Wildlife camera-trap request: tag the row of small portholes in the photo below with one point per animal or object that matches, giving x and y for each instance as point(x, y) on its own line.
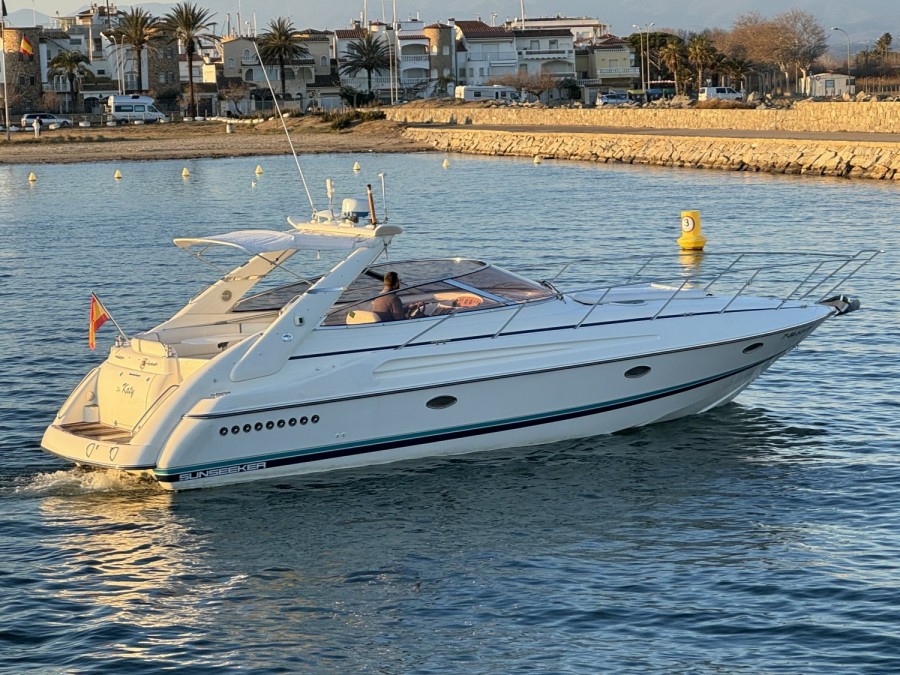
point(259, 426)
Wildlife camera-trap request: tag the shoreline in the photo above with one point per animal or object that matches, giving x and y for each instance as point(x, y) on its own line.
point(548, 134)
point(200, 140)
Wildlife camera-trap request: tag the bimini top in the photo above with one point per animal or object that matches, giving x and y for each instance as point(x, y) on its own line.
point(256, 242)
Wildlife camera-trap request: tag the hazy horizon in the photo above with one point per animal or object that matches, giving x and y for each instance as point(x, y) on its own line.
point(862, 24)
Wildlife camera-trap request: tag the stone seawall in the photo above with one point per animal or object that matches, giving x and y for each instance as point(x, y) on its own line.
point(844, 159)
point(808, 116)
point(823, 156)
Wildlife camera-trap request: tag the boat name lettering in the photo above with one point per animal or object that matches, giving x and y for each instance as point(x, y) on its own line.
point(126, 389)
point(223, 471)
point(795, 333)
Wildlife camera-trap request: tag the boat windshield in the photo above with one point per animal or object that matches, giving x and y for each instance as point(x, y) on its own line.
point(435, 287)
point(427, 288)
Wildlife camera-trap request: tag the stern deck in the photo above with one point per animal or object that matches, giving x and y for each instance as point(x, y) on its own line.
point(97, 431)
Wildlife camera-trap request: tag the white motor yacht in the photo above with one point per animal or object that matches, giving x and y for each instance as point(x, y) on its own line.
point(251, 381)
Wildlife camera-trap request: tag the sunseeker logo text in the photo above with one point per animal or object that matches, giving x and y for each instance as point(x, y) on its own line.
point(795, 333)
point(223, 471)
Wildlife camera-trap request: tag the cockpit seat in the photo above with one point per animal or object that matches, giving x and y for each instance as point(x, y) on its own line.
point(362, 316)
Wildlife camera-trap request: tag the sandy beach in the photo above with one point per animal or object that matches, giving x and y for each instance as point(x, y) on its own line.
point(186, 140)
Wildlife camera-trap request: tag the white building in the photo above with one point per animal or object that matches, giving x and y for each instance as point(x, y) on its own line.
point(830, 84)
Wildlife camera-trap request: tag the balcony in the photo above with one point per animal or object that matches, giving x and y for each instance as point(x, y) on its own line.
point(547, 53)
point(362, 84)
point(418, 58)
point(498, 58)
point(618, 72)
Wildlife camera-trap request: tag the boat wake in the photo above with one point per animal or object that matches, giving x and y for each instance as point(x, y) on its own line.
point(77, 481)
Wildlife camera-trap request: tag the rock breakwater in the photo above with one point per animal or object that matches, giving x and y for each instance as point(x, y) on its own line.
point(737, 140)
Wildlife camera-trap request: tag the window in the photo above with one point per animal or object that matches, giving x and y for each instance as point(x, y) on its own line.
point(446, 50)
point(230, 63)
point(535, 45)
point(248, 76)
point(554, 44)
point(323, 61)
point(246, 55)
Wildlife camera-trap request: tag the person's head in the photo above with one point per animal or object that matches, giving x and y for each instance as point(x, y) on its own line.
point(391, 281)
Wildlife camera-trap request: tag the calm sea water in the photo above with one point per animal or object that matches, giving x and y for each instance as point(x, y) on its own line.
point(762, 537)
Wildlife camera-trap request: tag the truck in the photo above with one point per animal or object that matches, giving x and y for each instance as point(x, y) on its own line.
point(496, 92)
point(133, 108)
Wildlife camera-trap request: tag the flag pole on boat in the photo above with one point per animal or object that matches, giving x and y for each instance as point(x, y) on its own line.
point(383, 196)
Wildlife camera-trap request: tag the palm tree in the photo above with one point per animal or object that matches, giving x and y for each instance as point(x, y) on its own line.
point(140, 30)
point(282, 45)
point(73, 66)
point(701, 54)
point(188, 23)
point(369, 54)
point(672, 54)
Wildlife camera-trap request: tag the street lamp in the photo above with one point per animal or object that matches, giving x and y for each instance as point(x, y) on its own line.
point(848, 53)
point(641, 56)
point(649, 26)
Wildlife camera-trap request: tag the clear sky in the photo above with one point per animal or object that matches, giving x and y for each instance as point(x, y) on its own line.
point(862, 20)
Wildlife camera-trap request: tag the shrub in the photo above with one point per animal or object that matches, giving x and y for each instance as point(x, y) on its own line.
point(722, 104)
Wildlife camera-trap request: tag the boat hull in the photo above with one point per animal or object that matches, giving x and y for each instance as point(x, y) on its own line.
point(480, 414)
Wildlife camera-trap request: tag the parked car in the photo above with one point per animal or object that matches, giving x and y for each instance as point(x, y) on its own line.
point(726, 93)
point(613, 99)
point(46, 120)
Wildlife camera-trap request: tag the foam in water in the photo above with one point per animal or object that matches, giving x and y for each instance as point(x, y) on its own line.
point(76, 481)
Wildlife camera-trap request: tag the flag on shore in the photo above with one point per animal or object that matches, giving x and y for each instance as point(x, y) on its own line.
point(25, 47)
point(5, 13)
point(99, 316)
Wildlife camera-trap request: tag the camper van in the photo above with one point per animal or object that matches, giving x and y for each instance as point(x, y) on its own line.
point(125, 109)
point(495, 92)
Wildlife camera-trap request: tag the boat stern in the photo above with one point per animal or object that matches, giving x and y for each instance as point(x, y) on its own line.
point(98, 424)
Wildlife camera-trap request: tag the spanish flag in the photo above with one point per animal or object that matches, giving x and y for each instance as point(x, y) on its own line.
point(99, 316)
point(25, 47)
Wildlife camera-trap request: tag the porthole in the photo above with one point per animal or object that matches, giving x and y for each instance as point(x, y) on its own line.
point(637, 371)
point(270, 424)
point(235, 429)
point(223, 431)
point(314, 419)
point(280, 424)
point(753, 347)
point(247, 428)
point(292, 422)
point(303, 420)
point(258, 426)
point(441, 402)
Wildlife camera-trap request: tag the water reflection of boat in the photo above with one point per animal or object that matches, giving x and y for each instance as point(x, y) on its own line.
point(244, 384)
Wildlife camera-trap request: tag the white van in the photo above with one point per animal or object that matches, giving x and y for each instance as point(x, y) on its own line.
point(496, 92)
point(725, 93)
point(124, 109)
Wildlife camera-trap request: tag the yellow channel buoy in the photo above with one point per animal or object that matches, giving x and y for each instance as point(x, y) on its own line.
point(32, 177)
point(117, 175)
point(691, 238)
point(356, 166)
point(537, 159)
point(446, 164)
point(258, 169)
point(185, 173)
